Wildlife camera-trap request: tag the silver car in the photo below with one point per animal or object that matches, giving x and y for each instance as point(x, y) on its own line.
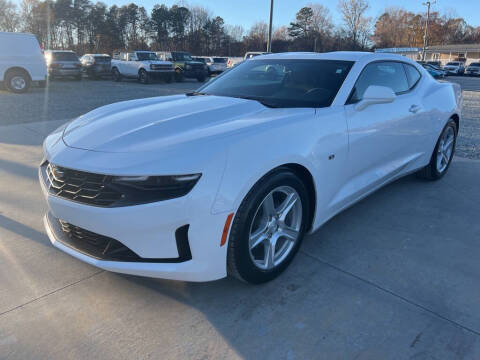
point(63, 63)
point(473, 69)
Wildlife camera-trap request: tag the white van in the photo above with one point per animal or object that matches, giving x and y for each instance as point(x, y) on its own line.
point(21, 61)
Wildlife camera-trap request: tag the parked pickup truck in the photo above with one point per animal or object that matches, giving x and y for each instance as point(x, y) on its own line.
point(185, 66)
point(141, 65)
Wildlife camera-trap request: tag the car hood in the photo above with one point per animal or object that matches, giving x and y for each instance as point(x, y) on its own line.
point(157, 123)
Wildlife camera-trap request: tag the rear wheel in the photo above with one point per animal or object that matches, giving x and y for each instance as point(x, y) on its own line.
point(17, 81)
point(268, 228)
point(443, 154)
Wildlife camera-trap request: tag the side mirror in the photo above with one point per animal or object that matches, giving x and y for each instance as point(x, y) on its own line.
point(375, 95)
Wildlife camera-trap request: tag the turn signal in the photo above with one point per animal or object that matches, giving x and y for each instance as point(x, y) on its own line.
point(226, 228)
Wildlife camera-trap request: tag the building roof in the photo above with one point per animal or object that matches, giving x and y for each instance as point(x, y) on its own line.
point(454, 47)
point(401, 50)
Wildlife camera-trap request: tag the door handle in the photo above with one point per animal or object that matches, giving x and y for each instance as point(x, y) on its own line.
point(414, 109)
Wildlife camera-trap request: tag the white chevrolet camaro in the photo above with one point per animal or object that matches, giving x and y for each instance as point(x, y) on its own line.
point(228, 179)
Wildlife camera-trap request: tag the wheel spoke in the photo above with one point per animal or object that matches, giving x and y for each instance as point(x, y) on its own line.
point(257, 238)
point(445, 158)
point(289, 233)
point(269, 254)
point(448, 144)
point(268, 206)
point(287, 206)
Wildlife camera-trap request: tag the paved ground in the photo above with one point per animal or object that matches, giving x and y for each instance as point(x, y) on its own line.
point(66, 99)
point(394, 277)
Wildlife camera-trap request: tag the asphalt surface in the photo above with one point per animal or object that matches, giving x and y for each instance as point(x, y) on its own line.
point(67, 99)
point(393, 277)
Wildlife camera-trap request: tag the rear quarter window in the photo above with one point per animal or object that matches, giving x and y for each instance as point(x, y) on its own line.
point(413, 75)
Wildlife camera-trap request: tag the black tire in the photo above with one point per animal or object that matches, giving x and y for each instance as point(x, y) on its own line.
point(201, 78)
point(143, 77)
point(430, 172)
point(178, 75)
point(239, 262)
point(116, 75)
point(15, 78)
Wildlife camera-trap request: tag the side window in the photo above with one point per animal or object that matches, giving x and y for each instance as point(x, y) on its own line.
point(413, 76)
point(389, 74)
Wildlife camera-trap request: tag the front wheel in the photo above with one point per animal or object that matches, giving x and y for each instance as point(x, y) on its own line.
point(17, 81)
point(143, 77)
point(116, 75)
point(443, 154)
point(178, 75)
point(268, 227)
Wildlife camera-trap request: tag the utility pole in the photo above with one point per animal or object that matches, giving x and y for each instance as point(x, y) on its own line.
point(269, 43)
point(425, 37)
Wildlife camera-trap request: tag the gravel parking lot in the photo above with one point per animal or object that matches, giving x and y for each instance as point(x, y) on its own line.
point(393, 277)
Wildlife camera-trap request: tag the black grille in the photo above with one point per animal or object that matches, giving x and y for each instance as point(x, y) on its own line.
point(161, 67)
point(80, 186)
point(105, 248)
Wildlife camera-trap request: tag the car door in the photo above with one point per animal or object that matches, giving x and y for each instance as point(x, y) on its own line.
point(384, 139)
point(131, 66)
point(121, 63)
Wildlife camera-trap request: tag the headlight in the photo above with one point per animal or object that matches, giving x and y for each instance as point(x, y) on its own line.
point(188, 67)
point(145, 189)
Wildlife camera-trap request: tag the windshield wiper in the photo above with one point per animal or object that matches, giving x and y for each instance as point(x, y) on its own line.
point(196, 93)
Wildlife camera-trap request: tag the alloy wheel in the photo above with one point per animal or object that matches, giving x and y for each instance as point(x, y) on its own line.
point(275, 228)
point(445, 149)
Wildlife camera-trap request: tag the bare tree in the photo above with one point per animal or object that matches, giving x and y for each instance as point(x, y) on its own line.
point(235, 32)
point(9, 18)
point(281, 33)
point(357, 25)
point(321, 20)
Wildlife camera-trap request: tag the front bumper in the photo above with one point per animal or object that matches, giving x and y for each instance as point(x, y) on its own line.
point(150, 231)
point(161, 74)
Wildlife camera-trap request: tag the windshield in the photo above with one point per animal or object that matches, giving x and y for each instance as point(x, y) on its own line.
point(283, 83)
point(102, 59)
point(146, 56)
point(220, 60)
point(182, 57)
point(475, 64)
point(453, 63)
point(64, 56)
